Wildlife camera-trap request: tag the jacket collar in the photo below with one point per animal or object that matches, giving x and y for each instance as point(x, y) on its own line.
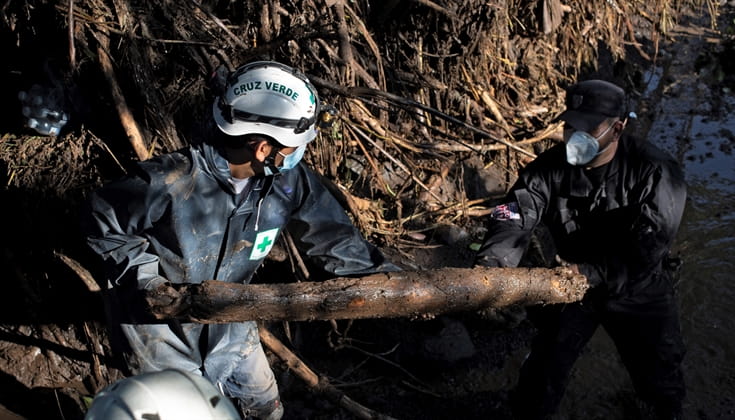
point(219, 168)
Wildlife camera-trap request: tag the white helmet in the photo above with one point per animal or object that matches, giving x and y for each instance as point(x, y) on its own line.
point(165, 395)
point(268, 98)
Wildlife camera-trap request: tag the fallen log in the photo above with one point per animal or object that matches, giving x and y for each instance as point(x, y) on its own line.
point(412, 294)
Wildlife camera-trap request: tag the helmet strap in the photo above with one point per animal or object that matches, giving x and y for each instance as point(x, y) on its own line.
point(270, 162)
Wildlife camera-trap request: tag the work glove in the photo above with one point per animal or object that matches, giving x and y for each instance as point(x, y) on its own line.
point(588, 270)
point(165, 301)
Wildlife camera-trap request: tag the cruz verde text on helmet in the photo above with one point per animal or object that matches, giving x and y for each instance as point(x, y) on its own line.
point(244, 88)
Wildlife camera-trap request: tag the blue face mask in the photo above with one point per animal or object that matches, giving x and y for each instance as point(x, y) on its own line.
point(289, 161)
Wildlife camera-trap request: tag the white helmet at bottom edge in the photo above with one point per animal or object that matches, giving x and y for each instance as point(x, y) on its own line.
point(165, 395)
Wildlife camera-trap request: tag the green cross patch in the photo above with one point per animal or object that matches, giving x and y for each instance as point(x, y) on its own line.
point(263, 243)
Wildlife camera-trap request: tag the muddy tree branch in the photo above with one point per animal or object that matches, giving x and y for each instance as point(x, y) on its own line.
point(385, 295)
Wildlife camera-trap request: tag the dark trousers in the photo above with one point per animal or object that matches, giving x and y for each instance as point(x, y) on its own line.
point(646, 334)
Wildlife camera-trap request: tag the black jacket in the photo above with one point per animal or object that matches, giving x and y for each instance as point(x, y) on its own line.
point(617, 221)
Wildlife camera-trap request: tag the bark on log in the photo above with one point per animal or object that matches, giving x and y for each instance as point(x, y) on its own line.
point(386, 295)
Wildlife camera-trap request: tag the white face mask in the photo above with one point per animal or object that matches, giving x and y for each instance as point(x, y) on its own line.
point(582, 147)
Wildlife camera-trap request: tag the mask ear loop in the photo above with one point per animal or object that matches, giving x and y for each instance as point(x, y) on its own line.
point(597, 139)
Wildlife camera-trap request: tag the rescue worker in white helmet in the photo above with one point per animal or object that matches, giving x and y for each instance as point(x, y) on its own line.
point(164, 395)
point(214, 211)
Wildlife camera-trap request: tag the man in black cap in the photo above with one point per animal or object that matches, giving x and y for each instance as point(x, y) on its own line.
point(612, 206)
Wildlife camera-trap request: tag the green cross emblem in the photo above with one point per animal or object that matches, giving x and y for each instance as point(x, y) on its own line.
point(263, 243)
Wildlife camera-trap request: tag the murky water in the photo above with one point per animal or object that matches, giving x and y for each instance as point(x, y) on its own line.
point(696, 125)
point(707, 243)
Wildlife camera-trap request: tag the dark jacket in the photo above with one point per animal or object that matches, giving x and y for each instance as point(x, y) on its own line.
point(617, 221)
point(178, 219)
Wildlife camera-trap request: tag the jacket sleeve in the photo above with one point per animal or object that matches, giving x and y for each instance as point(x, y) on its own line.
point(326, 235)
point(114, 221)
point(511, 224)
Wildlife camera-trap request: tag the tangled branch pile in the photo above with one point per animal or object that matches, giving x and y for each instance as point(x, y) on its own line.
point(430, 93)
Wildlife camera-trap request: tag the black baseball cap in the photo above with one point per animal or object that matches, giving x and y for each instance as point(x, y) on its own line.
point(591, 102)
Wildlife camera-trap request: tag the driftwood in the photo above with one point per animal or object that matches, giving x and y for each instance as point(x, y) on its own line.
point(385, 295)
